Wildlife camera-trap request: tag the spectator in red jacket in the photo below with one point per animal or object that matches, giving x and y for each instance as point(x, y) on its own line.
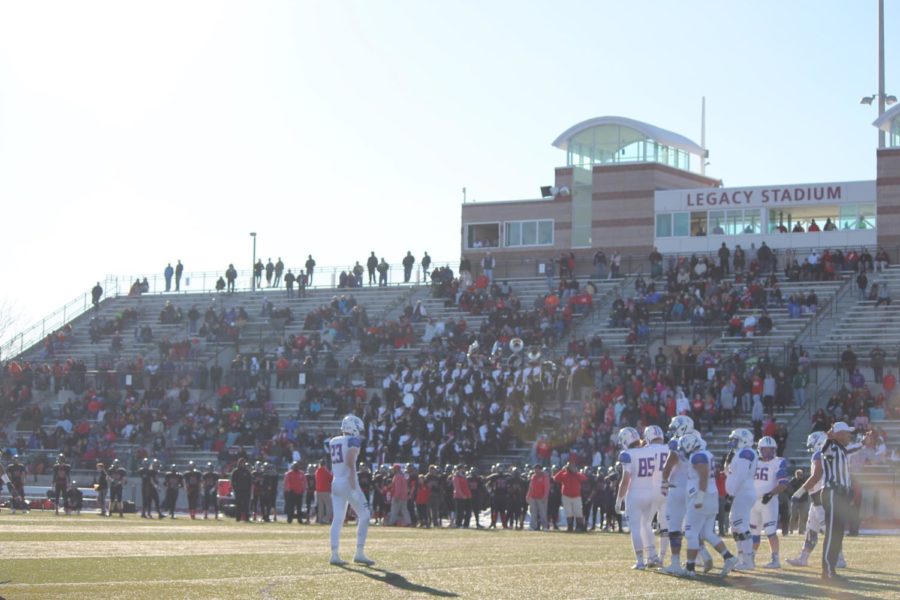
point(294, 490)
point(324, 512)
point(462, 496)
point(399, 497)
point(538, 493)
point(570, 480)
point(422, 495)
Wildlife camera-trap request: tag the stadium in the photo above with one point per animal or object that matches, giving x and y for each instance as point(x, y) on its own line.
point(639, 382)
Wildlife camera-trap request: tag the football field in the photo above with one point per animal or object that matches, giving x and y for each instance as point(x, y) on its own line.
point(87, 556)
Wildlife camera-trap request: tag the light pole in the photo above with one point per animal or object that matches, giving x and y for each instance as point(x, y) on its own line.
point(253, 264)
point(880, 96)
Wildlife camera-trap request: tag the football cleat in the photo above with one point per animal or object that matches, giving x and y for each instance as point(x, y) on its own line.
point(730, 563)
point(689, 574)
point(841, 563)
point(336, 561)
point(798, 562)
point(772, 565)
point(639, 566)
point(362, 559)
point(707, 565)
point(673, 570)
point(654, 563)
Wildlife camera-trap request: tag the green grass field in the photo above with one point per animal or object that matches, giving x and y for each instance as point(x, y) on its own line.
point(45, 556)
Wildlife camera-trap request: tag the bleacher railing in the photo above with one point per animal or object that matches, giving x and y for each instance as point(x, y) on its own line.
point(328, 277)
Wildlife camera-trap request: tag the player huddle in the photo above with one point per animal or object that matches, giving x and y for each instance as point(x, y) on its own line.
point(675, 483)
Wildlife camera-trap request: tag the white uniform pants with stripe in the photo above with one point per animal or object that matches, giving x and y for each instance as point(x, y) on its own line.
point(341, 495)
point(639, 510)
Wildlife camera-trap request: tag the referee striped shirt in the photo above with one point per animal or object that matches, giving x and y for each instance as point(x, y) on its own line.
point(836, 467)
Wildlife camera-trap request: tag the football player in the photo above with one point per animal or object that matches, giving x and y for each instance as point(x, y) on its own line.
point(655, 442)
point(703, 502)
point(770, 480)
point(815, 521)
point(636, 495)
point(674, 488)
point(740, 470)
point(344, 450)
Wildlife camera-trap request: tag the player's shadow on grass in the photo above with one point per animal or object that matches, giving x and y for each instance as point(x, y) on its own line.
point(398, 581)
point(790, 585)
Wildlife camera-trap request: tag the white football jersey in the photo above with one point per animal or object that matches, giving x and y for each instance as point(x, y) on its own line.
point(816, 458)
point(701, 457)
point(661, 452)
point(741, 471)
point(338, 448)
point(678, 476)
point(769, 474)
point(642, 464)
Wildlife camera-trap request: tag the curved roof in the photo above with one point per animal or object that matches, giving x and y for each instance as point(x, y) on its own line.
point(884, 121)
point(660, 135)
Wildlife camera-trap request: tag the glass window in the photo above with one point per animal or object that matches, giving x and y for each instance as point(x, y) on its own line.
point(699, 226)
point(751, 221)
point(866, 219)
point(483, 235)
point(681, 224)
point(513, 234)
point(663, 225)
point(529, 233)
point(717, 222)
point(847, 218)
point(545, 233)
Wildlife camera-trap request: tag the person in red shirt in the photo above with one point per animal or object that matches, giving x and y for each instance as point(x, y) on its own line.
point(294, 489)
point(422, 495)
point(570, 481)
point(538, 493)
point(462, 496)
point(722, 517)
point(323, 494)
point(399, 496)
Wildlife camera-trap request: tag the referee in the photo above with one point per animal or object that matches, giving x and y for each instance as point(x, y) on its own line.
point(836, 495)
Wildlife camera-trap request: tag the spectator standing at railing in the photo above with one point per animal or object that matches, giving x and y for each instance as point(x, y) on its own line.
point(310, 268)
point(231, 276)
point(426, 264)
point(279, 270)
point(258, 269)
point(371, 266)
point(289, 283)
point(724, 259)
point(408, 262)
point(167, 274)
point(358, 274)
point(179, 271)
point(270, 271)
point(383, 269)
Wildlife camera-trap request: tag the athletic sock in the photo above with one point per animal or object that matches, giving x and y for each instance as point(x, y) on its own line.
point(690, 565)
point(726, 554)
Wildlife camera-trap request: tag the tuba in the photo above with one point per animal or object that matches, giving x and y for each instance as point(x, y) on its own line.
point(534, 355)
point(516, 345)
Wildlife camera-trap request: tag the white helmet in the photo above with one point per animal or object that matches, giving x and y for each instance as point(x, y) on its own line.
point(627, 437)
point(352, 425)
point(680, 425)
point(653, 432)
point(689, 443)
point(767, 447)
point(815, 441)
point(740, 438)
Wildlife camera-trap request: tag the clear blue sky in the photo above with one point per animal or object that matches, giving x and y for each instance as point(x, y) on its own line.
point(133, 134)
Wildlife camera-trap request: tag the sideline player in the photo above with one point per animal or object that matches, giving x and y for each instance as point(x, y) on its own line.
point(703, 502)
point(655, 441)
point(739, 485)
point(636, 495)
point(344, 451)
point(770, 480)
point(815, 520)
